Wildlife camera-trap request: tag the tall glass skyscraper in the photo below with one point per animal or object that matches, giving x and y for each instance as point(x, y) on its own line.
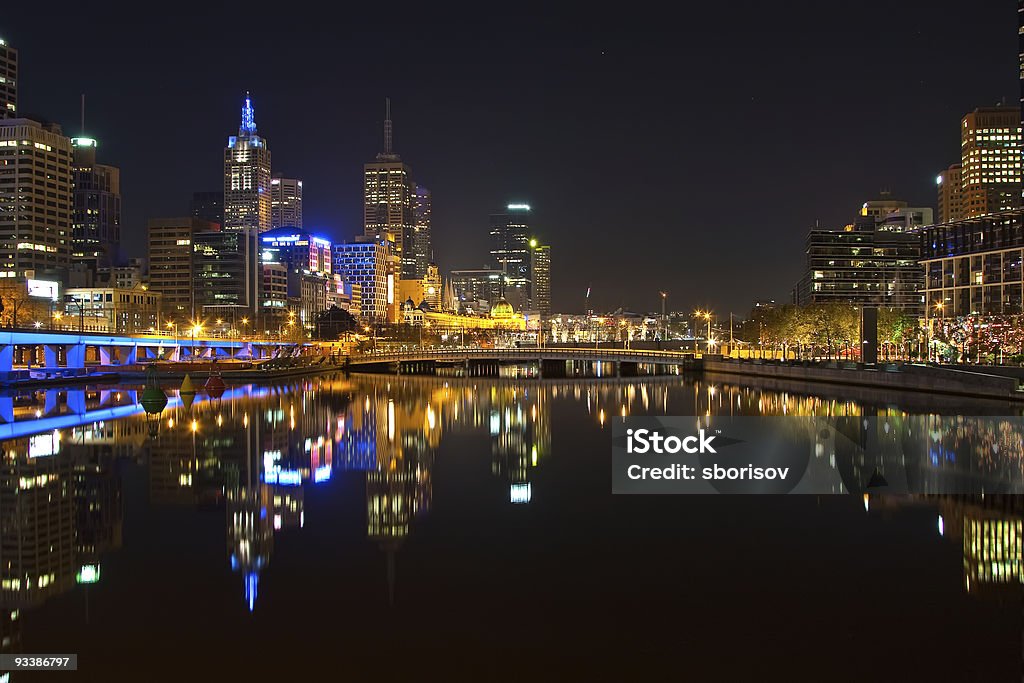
point(96, 221)
point(510, 253)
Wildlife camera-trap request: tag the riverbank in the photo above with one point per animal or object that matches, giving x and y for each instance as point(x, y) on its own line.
point(891, 376)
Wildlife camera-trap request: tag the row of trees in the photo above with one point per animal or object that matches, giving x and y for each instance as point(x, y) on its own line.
point(832, 331)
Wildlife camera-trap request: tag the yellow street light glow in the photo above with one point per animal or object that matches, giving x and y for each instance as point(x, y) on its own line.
point(245, 321)
point(170, 324)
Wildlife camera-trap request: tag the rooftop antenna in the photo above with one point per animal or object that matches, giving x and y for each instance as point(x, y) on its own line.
point(387, 125)
point(83, 114)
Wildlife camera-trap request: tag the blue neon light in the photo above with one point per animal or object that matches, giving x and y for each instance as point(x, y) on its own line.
point(248, 116)
point(321, 474)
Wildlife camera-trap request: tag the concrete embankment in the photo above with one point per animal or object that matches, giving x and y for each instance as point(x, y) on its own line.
point(895, 377)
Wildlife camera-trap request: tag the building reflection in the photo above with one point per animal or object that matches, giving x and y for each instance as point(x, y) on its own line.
point(256, 457)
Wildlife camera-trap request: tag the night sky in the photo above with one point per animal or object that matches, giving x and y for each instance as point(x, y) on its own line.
point(687, 152)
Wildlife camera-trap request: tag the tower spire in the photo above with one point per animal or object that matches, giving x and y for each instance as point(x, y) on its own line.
point(248, 126)
point(387, 126)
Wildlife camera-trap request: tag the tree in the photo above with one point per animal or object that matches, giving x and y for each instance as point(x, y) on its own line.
point(329, 325)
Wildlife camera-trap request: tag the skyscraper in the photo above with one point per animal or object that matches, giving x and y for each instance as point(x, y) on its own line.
point(388, 204)
point(366, 262)
point(35, 198)
point(223, 265)
point(510, 253)
point(422, 243)
point(96, 221)
point(540, 277)
point(8, 81)
point(991, 159)
point(285, 202)
point(247, 177)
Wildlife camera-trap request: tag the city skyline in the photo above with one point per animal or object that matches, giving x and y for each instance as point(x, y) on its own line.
point(483, 135)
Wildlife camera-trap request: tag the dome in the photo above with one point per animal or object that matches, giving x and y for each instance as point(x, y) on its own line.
point(408, 305)
point(425, 307)
point(502, 309)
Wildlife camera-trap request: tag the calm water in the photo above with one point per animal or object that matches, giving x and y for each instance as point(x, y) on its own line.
point(408, 528)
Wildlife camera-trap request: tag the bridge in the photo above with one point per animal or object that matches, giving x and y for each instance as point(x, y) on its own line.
point(66, 353)
point(551, 362)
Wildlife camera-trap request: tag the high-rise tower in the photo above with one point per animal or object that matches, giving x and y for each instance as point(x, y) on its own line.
point(8, 81)
point(285, 202)
point(96, 222)
point(510, 252)
point(422, 243)
point(389, 205)
point(247, 199)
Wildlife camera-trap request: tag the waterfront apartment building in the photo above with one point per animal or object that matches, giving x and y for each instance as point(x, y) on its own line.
point(8, 81)
point(990, 166)
point(96, 220)
point(285, 202)
point(973, 266)
point(35, 199)
point(366, 262)
point(862, 265)
point(170, 263)
point(247, 189)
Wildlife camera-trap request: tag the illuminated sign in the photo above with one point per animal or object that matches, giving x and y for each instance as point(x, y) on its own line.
point(518, 207)
point(283, 478)
point(321, 474)
point(83, 142)
point(391, 289)
point(90, 573)
point(44, 289)
point(520, 493)
point(42, 445)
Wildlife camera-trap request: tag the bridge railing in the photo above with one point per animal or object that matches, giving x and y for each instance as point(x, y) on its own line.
point(566, 352)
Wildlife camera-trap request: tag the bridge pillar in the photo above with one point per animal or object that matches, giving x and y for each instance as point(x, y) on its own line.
point(104, 354)
point(50, 356)
point(50, 401)
point(6, 358)
point(76, 356)
point(76, 401)
point(133, 354)
point(7, 409)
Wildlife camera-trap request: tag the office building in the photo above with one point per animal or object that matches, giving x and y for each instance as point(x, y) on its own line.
point(112, 309)
point(950, 200)
point(170, 263)
point(223, 272)
point(8, 81)
point(540, 277)
point(96, 220)
point(389, 205)
point(862, 265)
point(476, 290)
point(308, 262)
point(990, 166)
point(247, 189)
point(208, 206)
point(510, 253)
point(424, 250)
point(285, 202)
point(973, 266)
point(35, 199)
point(366, 262)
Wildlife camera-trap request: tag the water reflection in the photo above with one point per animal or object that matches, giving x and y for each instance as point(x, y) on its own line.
point(258, 452)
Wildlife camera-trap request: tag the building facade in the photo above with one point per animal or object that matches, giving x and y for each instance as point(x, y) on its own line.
point(366, 262)
point(950, 201)
point(476, 290)
point(8, 81)
point(285, 202)
point(96, 221)
point(540, 277)
point(247, 190)
point(423, 246)
point(510, 253)
point(389, 204)
point(35, 198)
point(863, 266)
point(991, 161)
point(973, 266)
point(222, 273)
point(170, 263)
point(115, 310)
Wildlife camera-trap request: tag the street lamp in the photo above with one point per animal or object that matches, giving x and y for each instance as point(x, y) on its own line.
point(707, 316)
point(57, 315)
point(197, 328)
point(928, 327)
point(664, 327)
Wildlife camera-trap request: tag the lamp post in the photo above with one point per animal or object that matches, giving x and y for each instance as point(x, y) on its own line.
point(664, 326)
point(197, 328)
point(928, 328)
point(707, 316)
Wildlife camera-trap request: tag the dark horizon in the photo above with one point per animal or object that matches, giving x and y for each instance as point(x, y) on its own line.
point(688, 156)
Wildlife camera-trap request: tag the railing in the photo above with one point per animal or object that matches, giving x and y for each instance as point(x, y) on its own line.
point(520, 353)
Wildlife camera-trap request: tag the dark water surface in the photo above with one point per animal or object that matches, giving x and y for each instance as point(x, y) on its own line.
point(402, 528)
